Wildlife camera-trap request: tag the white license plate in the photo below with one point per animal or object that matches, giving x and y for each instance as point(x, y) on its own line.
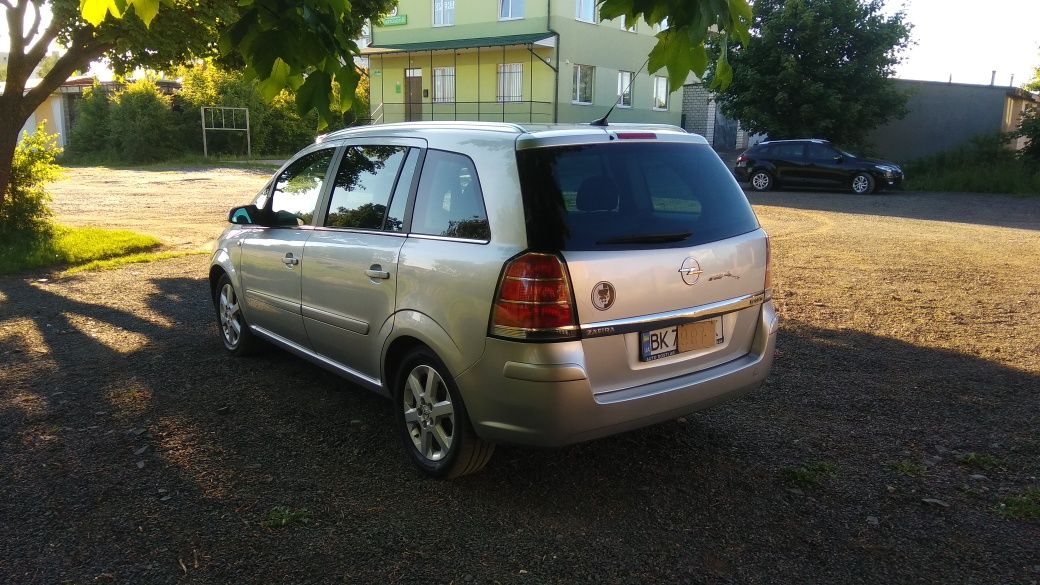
point(659, 343)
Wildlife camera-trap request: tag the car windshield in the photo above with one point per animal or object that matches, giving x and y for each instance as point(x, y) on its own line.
point(631, 195)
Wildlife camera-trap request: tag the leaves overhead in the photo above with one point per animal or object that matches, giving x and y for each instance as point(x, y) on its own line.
point(815, 68)
point(680, 47)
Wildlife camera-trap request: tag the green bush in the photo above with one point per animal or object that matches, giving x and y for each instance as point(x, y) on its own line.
point(1029, 128)
point(141, 125)
point(24, 211)
point(985, 165)
point(88, 139)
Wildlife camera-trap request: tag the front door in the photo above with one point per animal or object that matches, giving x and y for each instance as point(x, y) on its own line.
point(827, 165)
point(413, 94)
point(350, 281)
point(272, 257)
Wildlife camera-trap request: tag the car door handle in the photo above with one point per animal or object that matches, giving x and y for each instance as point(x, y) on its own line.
point(376, 271)
point(289, 260)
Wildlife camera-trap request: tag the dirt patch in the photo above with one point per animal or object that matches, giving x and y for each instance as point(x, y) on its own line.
point(901, 413)
point(185, 208)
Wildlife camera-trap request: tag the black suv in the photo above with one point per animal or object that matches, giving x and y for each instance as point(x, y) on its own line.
point(813, 163)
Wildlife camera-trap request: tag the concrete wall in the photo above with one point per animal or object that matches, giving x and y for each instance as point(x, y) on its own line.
point(941, 116)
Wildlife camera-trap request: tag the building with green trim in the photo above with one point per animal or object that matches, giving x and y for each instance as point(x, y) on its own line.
point(513, 61)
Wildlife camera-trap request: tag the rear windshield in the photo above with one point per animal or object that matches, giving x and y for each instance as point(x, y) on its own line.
point(632, 195)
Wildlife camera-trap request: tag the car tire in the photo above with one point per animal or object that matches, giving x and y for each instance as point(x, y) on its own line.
point(432, 420)
point(234, 331)
point(761, 181)
point(863, 184)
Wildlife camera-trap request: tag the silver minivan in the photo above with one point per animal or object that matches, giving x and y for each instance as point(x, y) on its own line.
point(533, 285)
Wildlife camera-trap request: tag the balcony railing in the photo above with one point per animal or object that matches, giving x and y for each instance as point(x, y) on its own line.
point(519, 111)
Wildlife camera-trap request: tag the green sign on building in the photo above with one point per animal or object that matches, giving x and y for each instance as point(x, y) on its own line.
point(395, 20)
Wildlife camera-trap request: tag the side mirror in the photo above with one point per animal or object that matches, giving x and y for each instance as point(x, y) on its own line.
point(244, 215)
point(839, 158)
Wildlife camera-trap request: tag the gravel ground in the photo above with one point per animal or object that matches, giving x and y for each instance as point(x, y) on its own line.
point(902, 410)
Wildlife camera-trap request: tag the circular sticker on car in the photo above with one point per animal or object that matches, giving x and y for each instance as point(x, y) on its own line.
point(603, 295)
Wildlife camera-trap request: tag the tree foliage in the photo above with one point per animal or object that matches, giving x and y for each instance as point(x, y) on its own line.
point(1034, 84)
point(817, 68)
point(1029, 128)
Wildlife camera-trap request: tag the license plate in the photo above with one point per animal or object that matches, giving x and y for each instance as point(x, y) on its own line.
point(659, 343)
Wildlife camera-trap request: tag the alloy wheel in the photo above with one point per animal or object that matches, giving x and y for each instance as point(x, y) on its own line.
point(860, 184)
point(230, 315)
point(429, 415)
point(760, 181)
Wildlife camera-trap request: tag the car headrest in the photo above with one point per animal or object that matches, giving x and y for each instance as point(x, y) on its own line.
point(597, 194)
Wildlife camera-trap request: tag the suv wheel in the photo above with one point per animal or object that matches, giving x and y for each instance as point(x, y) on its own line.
point(432, 420)
point(234, 330)
point(761, 181)
point(862, 184)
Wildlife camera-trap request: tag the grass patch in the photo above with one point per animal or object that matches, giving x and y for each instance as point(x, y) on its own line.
point(193, 160)
point(282, 516)
point(1023, 506)
point(71, 246)
point(131, 259)
point(907, 468)
point(983, 461)
point(983, 166)
point(810, 474)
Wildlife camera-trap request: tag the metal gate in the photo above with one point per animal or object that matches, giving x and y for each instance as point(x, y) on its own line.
point(725, 136)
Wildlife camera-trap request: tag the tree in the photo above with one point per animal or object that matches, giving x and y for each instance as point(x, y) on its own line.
point(1034, 84)
point(818, 68)
point(46, 64)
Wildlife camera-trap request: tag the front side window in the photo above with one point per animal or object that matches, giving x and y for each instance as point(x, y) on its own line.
point(585, 10)
point(443, 12)
point(510, 82)
point(822, 152)
point(297, 188)
point(449, 201)
point(624, 88)
point(660, 93)
point(363, 185)
point(510, 9)
point(444, 84)
point(584, 78)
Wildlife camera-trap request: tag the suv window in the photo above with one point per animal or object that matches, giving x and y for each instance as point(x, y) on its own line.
point(788, 151)
point(449, 201)
point(362, 187)
point(296, 190)
point(822, 152)
point(629, 196)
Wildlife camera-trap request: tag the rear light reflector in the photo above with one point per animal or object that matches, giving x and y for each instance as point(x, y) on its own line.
point(534, 300)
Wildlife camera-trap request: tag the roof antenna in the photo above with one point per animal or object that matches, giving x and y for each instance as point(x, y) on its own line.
point(603, 121)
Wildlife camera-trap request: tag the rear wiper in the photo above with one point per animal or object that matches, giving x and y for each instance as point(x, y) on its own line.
point(647, 238)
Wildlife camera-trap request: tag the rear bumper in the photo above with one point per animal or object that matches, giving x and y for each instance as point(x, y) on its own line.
point(741, 173)
point(539, 394)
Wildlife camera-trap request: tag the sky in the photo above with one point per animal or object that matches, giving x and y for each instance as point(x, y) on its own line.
point(969, 39)
point(965, 39)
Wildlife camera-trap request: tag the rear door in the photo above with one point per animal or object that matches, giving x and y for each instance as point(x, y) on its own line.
point(657, 235)
point(350, 280)
point(272, 257)
point(792, 166)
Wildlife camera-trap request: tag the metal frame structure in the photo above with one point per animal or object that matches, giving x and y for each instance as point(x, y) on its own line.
point(223, 110)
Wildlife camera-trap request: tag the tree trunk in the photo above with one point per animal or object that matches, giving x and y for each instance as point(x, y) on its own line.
point(10, 124)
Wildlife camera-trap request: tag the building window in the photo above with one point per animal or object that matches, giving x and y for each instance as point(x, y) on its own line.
point(510, 9)
point(584, 79)
point(443, 12)
point(510, 82)
point(660, 93)
point(624, 88)
point(585, 10)
point(443, 84)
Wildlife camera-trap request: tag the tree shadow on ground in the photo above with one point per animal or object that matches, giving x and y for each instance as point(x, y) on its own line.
point(979, 209)
point(221, 441)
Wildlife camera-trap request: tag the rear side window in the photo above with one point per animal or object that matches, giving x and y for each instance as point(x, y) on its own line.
point(789, 151)
point(363, 185)
point(629, 196)
point(449, 201)
point(296, 190)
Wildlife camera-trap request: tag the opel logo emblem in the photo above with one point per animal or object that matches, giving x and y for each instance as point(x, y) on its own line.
point(603, 295)
point(690, 271)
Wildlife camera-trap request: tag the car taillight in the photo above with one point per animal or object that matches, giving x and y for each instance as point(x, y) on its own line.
point(534, 300)
point(742, 160)
point(768, 288)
